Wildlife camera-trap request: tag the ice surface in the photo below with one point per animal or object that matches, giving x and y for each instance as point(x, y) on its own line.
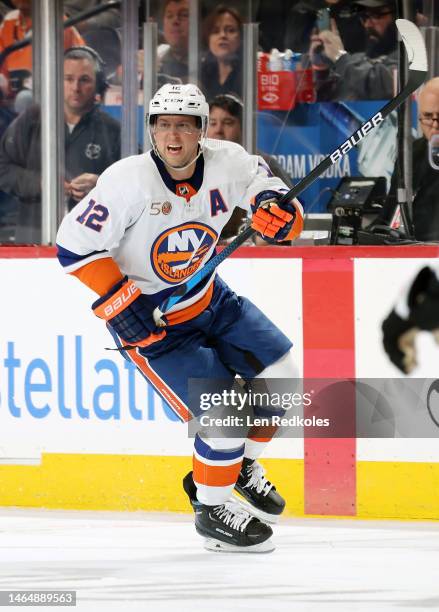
point(134, 562)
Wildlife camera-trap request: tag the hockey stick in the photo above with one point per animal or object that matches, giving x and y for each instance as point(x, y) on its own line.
point(417, 60)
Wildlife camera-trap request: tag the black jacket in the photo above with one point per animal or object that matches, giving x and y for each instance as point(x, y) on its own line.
point(358, 77)
point(367, 75)
point(210, 78)
point(426, 195)
point(93, 145)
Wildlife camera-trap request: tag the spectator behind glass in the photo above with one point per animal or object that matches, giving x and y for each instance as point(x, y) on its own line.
point(92, 143)
point(107, 19)
point(173, 55)
point(17, 67)
point(225, 123)
point(358, 76)
point(425, 177)
point(221, 68)
point(290, 25)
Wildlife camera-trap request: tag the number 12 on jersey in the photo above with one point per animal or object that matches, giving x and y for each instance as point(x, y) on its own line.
point(93, 216)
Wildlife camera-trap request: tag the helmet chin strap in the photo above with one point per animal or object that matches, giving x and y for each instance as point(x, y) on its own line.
point(156, 151)
point(178, 168)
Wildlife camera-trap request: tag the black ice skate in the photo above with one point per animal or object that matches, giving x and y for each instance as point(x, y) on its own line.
point(228, 527)
point(263, 501)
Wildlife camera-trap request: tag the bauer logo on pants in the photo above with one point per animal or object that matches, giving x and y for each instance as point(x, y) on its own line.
point(178, 252)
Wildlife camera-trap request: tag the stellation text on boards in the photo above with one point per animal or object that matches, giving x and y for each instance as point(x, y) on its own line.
point(73, 385)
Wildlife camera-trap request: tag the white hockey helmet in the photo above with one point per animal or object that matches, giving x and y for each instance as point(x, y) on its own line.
point(179, 99)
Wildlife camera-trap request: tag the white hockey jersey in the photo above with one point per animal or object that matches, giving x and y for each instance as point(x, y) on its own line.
point(158, 238)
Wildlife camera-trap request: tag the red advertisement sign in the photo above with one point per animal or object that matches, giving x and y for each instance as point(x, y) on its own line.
point(283, 90)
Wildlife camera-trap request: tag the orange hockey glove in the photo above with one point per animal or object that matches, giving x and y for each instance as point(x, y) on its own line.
point(276, 222)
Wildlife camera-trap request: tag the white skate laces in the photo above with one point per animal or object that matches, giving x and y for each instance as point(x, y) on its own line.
point(257, 479)
point(232, 515)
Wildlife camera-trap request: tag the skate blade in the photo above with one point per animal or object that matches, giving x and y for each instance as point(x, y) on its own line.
point(218, 546)
point(273, 519)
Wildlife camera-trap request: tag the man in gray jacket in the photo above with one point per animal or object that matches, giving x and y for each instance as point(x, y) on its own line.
point(92, 143)
point(369, 75)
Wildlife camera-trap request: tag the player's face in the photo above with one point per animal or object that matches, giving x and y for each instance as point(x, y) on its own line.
point(79, 85)
point(223, 125)
point(225, 38)
point(429, 113)
point(176, 24)
point(176, 138)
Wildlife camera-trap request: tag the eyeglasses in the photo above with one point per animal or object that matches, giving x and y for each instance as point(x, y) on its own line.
point(163, 127)
point(429, 118)
point(374, 15)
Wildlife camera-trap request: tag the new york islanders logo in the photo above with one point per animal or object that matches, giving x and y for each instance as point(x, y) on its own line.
point(177, 253)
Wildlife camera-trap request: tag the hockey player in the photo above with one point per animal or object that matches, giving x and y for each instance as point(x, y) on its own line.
point(417, 309)
point(151, 221)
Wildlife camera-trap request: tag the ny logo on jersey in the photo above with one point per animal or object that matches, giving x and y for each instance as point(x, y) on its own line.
point(178, 252)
